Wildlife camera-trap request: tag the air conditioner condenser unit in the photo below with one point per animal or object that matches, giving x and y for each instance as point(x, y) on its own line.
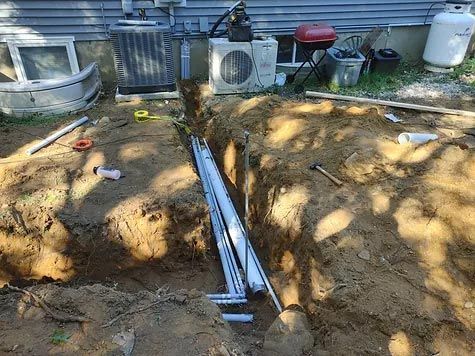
point(241, 67)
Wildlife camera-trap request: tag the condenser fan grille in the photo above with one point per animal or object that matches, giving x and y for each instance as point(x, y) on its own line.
point(236, 67)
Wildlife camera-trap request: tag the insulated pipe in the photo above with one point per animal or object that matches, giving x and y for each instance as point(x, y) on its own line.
point(251, 250)
point(214, 221)
point(236, 234)
point(229, 301)
point(407, 137)
point(239, 318)
point(56, 135)
point(235, 285)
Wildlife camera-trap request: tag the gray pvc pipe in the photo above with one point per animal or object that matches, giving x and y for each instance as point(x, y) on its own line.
point(256, 282)
point(231, 261)
point(214, 221)
point(253, 254)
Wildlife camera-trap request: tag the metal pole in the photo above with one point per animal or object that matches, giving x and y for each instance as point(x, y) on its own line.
point(246, 200)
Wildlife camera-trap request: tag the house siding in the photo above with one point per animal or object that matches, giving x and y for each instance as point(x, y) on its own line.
point(85, 19)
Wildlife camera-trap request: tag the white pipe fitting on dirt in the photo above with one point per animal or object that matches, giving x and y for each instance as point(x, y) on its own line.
point(407, 137)
point(239, 318)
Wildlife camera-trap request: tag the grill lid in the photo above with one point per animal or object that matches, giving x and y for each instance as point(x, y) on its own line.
point(315, 33)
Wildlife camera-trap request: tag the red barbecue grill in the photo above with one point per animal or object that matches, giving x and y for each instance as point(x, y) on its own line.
point(317, 37)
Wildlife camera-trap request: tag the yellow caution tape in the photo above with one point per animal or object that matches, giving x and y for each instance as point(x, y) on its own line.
point(143, 116)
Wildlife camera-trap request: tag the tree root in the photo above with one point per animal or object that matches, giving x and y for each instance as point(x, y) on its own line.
point(138, 310)
point(65, 318)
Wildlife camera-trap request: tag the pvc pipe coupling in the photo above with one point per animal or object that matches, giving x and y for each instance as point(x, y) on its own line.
point(416, 138)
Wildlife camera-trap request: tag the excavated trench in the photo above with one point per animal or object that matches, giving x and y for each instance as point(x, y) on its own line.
point(380, 264)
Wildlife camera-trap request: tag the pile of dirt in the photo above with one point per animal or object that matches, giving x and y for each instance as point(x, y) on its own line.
point(383, 264)
point(143, 323)
point(59, 220)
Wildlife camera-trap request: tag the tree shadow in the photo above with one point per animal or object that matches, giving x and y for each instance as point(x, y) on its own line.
point(149, 227)
point(408, 293)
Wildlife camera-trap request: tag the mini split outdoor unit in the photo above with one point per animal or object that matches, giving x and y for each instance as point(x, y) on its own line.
point(240, 67)
point(143, 57)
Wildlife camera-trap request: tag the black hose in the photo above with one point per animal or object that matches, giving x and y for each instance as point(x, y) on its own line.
point(217, 23)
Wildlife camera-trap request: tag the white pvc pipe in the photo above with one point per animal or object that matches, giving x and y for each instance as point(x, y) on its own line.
point(253, 254)
point(239, 318)
point(254, 278)
point(226, 296)
point(56, 135)
point(407, 137)
point(214, 221)
point(229, 301)
point(230, 261)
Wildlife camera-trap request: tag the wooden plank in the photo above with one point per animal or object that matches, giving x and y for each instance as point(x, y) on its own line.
point(394, 104)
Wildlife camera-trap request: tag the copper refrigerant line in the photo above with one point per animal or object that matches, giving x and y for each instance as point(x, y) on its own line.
point(230, 235)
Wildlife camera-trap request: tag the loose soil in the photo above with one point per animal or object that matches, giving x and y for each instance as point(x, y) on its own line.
point(61, 221)
point(383, 264)
point(185, 323)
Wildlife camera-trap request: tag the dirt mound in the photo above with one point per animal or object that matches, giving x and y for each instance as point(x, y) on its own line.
point(381, 264)
point(59, 220)
point(159, 322)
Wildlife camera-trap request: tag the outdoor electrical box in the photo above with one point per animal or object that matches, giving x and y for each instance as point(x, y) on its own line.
point(127, 7)
point(166, 3)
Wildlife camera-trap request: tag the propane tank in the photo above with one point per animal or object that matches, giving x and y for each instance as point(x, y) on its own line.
point(449, 36)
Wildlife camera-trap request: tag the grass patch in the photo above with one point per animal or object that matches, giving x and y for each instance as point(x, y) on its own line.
point(465, 70)
point(59, 337)
point(376, 83)
point(371, 84)
point(33, 120)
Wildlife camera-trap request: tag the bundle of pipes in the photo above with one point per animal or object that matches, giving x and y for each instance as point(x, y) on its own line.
point(228, 229)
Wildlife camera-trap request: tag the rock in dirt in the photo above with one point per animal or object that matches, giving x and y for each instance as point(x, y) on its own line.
point(126, 341)
point(288, 335)
point(364, 255)
point(468, 305)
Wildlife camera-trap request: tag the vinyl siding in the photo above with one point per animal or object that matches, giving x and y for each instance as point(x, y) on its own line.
point(85, 19)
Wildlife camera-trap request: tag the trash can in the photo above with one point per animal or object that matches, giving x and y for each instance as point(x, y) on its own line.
point(385, 61)
point(343, 67)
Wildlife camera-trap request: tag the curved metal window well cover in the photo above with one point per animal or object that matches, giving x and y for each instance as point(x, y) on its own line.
point(38, 57)
point(52, 97)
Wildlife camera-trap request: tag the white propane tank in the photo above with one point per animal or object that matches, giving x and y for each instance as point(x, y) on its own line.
point(449, 36)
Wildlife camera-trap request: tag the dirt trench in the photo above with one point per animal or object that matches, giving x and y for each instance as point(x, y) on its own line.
point(381, 265)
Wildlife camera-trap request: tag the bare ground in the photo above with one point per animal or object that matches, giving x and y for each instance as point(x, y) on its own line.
point(179, 323)
point(383, 264)
point(61, 221)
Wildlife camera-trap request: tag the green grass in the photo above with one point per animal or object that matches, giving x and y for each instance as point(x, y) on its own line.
point(371, 84)
point(465, 69)
point(59, 337)
point(376, 83)
point(33, 120)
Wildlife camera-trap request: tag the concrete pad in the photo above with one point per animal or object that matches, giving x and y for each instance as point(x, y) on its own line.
point(147, 96)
